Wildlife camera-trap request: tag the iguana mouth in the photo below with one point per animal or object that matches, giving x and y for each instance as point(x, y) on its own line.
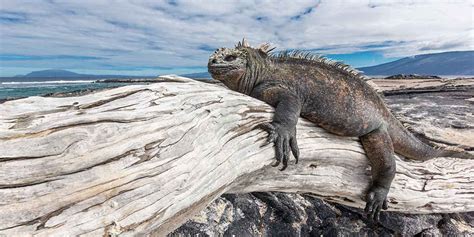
point(220, 68)
point(217, 70)
point(216, 65)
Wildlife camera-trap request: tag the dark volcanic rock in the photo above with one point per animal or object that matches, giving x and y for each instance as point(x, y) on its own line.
point(129, 80)
point(285, 214)
point(412, 76)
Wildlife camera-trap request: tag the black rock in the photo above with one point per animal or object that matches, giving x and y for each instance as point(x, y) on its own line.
point(286, 214)
point(412, 76)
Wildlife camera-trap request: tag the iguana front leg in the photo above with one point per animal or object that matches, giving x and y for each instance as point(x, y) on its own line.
point(282, 130)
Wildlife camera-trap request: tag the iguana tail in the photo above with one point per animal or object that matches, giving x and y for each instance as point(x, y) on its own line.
point(406, 144)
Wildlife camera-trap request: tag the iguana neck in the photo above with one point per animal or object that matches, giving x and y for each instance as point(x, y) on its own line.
point(255, 73)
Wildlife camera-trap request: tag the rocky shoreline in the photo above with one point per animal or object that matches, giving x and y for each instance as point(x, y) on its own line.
point(412, 76)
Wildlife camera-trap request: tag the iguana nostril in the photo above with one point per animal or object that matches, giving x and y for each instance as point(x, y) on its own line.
point(214, 61)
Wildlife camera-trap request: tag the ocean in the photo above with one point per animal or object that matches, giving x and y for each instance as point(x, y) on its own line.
point(13, 87)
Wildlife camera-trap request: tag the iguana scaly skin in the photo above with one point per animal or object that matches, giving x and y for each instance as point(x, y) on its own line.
point(328, 94)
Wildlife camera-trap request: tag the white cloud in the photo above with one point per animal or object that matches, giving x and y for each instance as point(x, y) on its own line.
point(128, 34)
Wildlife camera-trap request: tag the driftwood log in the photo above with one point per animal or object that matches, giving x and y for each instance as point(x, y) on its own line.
point(142, 159)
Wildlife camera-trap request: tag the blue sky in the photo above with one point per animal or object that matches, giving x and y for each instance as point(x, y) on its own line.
point(173, 36)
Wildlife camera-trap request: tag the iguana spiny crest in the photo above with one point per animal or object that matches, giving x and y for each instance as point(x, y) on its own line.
point(237, 67)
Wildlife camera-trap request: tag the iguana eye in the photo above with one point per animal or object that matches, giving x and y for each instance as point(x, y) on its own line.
point(229, 58)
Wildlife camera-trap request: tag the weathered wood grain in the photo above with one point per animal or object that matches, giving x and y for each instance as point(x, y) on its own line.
point(142, 159)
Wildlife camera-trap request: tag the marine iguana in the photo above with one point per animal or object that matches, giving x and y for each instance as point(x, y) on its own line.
point(329, 94)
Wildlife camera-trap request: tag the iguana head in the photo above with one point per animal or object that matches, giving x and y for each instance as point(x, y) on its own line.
point(236, 67)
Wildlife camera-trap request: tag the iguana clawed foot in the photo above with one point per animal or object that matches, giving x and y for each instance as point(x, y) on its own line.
point(284, 139)
point(376, 200)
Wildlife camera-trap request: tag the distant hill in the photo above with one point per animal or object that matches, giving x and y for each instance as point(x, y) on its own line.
point(447, 63)
point(55, 73)
point(65, 74)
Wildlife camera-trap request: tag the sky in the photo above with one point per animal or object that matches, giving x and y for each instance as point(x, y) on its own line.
point(161, 37)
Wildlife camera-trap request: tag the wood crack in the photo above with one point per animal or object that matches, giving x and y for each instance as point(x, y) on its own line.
point(17, 158)
point(59, 128)
point(116, 97)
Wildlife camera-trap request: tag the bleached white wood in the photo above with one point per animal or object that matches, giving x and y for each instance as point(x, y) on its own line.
point(142, 159)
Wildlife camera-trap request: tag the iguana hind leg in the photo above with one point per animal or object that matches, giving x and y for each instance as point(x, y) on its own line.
point(379, 149)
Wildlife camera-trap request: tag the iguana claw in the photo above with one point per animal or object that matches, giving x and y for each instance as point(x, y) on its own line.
point(284, 139)
point(376, 200)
